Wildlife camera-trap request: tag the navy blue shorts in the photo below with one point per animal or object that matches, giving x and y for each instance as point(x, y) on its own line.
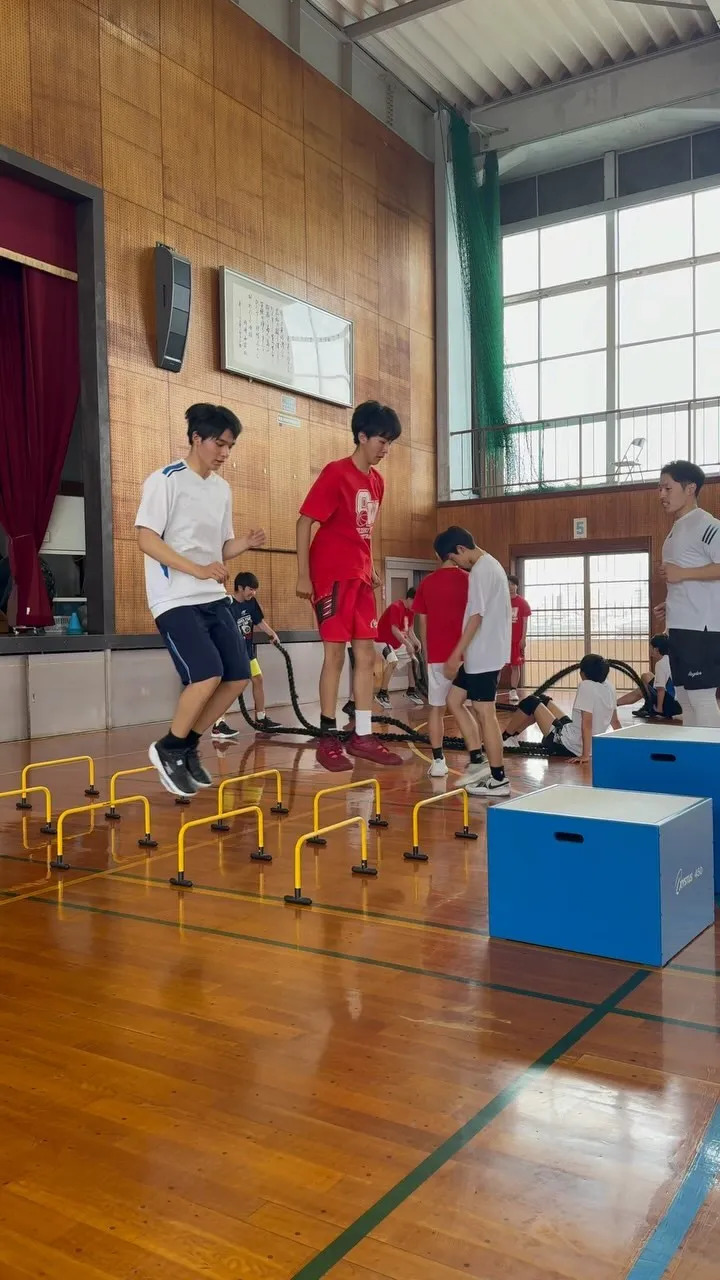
point(204, 642)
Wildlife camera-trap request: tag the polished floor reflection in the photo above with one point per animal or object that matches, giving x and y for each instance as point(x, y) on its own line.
point(210, 1083)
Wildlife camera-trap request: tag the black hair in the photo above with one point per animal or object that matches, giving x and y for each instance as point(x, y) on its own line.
point(661, 643)
point(594, 667)
point(246, 580)
point(685, 473)
point(451, 539)
point(375, 419)
point(515, 580)
point(410, 594)
point(210, 421)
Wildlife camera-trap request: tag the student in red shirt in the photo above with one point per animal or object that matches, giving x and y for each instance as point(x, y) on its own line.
point(397, 644)
point(521, 611)
point(336, 572)
point(440, 604)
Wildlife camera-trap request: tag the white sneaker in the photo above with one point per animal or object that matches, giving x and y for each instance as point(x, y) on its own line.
point(438, 769)
point(514, 697)
point(474, 773)
point(490, 788)
point(512, 742)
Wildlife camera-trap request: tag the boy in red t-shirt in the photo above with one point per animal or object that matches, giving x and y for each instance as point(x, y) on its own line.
point(521, 611)
point(336, 572)
point(395, 634)
point(440, 603)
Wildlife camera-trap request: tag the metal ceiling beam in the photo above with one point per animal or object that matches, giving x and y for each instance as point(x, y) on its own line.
point(405, 12)
point(701, 6)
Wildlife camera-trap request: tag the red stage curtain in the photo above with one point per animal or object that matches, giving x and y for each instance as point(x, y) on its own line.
point(39, 389)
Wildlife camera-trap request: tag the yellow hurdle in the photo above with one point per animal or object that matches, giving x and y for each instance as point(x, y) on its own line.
point(48, 829)
point(147, 841)
point(45, 764)
point(466, 834)
point(112, 815)
point(376, 821)
point(278, 808)
point(180, 880)
point(296, 897)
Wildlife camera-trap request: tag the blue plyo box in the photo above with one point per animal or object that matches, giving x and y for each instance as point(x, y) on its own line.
point(666, 759)
point(621, 874)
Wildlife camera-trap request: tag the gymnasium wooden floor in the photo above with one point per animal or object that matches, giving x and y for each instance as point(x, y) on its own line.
point(214, 1084)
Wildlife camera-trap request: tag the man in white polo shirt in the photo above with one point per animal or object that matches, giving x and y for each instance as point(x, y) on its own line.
point(185, 531)
point(691, 569)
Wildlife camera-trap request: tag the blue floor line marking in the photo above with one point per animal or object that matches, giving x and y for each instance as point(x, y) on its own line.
point(698, 1182)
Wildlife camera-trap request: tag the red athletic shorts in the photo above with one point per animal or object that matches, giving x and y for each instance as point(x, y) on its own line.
point(347, 612)
point(517, 657)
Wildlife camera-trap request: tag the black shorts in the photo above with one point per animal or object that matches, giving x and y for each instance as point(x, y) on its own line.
point(553, 742)
point(204, 642)
point(695, 659)
point(479, 688)
point(671, 706)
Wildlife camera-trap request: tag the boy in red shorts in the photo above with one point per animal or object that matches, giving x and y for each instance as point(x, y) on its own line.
point(336, 572)
point(521, 611)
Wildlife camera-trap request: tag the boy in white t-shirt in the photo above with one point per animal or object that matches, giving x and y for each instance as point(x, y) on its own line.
point(658, 682)
point(185, 532)
point(479, 656)
point(570, 737)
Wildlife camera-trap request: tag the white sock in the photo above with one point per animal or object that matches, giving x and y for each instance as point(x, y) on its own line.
point(705, 708)
point(363, 723)
point(259, 715)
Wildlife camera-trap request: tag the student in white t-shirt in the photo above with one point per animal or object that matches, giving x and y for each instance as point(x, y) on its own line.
point(482, 651)
point(185, 531)
point(691, 569)
point(660, 689)
point(570, 737)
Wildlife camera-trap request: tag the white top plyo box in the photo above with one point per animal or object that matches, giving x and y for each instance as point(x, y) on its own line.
point(639, 807)
point(670, 733)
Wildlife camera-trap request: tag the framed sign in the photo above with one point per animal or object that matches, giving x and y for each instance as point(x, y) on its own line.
point(270, 336)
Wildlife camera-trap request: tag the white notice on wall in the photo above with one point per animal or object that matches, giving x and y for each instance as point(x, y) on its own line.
point(580, 527)
point(271, 336)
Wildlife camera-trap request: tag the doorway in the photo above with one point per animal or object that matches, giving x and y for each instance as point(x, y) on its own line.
point(401, 575)
point(586, 604)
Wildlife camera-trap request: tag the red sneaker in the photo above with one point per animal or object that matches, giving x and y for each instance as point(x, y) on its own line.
point(368, 747)
point(331, 756)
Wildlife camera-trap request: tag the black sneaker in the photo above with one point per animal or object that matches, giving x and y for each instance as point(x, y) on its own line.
point(196, 768)
point(267, 724)
point(349, 708)
point(642, 714)
point(413, 696)
point(383, 700)
point(172, 768)
point(223, 732)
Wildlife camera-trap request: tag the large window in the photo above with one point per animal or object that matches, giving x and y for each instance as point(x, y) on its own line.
point(613, 315)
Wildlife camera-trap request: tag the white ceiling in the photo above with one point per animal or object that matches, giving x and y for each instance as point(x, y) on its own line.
point(472, 52)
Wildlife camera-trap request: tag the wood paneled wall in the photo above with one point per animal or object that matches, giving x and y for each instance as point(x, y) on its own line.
point(615, 515)
point(208, 134)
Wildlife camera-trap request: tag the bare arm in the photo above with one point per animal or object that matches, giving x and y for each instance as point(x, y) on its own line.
point(422, 627)
point(265, 626)
point(303, 535)
point(701, 573)
point(237, 546)
point(587, 728)
point(615, 722)
point(152, 545)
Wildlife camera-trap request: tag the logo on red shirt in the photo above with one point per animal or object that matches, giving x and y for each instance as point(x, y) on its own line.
point(366, 509)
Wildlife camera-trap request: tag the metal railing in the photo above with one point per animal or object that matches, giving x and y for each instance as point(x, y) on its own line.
point(588, 451)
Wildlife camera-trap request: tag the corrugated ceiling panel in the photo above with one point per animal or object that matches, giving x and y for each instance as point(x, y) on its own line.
point(487, 49)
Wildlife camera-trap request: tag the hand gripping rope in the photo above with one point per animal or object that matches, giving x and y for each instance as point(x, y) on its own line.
point(409, 734)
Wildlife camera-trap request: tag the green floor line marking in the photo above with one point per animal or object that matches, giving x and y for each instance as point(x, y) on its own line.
point(212, 931)
point(329, 1257)
point(326, 906)
point(692, 968)
point(668, 1021)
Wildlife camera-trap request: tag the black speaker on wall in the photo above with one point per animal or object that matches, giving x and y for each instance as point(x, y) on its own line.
point(173, 291)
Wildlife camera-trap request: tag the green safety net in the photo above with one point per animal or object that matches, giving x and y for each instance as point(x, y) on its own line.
point(502, 455)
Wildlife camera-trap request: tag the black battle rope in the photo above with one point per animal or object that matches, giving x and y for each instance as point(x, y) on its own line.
point(409, 734)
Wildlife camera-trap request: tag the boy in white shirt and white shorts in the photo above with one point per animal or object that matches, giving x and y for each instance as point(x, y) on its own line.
point(570, 737)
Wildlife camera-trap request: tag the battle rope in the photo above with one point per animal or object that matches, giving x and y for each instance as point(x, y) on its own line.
point(409, 734)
